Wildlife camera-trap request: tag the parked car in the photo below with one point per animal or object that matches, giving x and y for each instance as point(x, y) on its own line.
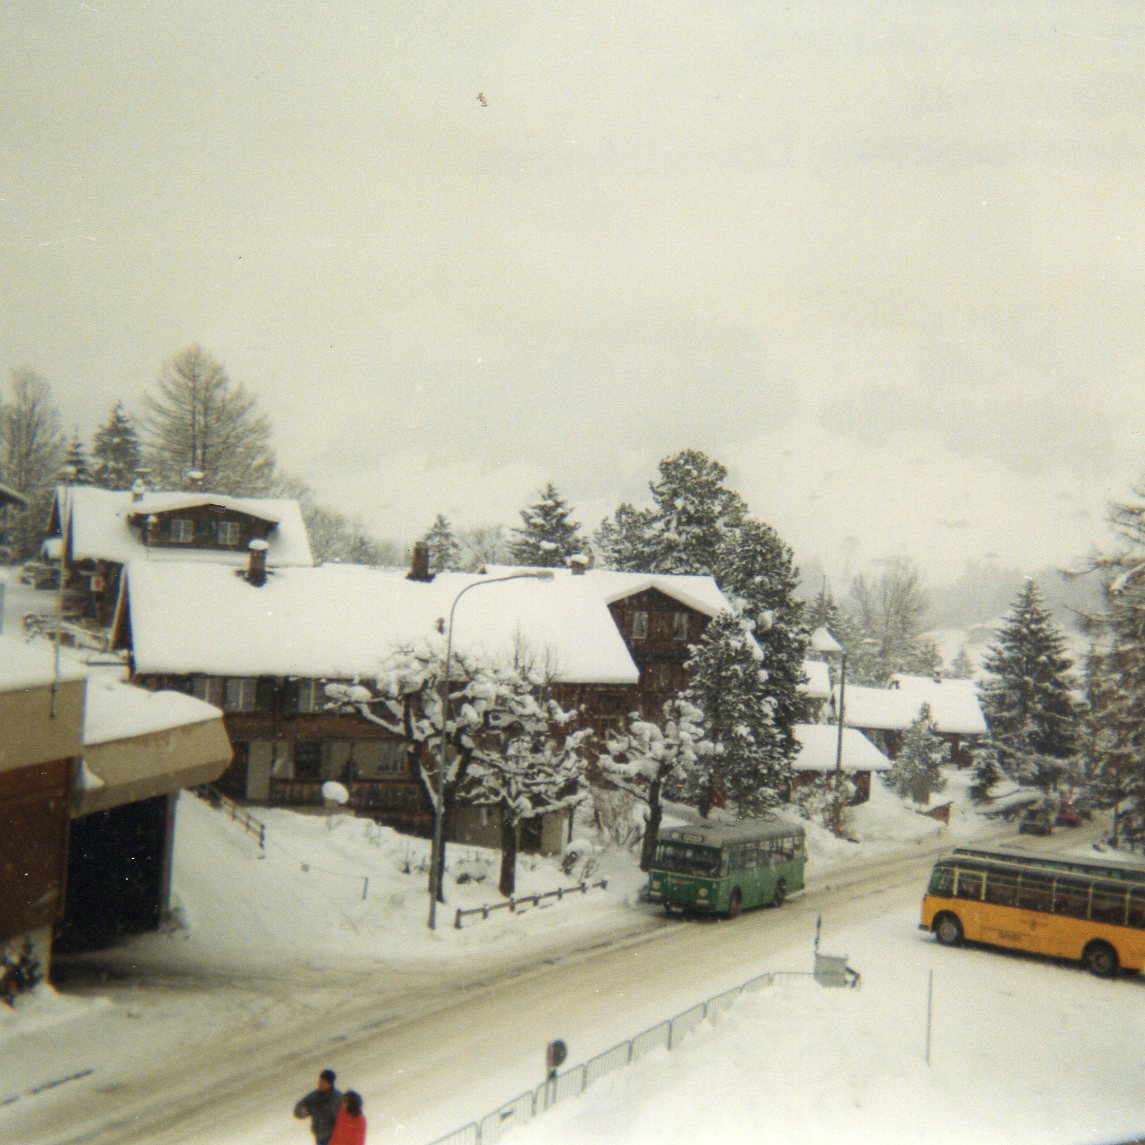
point(1035, 821)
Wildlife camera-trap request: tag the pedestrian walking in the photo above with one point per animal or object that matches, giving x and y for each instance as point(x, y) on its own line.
point(322, 1106)
point(350, 1127)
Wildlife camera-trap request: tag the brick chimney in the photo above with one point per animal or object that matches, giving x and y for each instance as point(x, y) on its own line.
point(256, 564)
point(419, 566)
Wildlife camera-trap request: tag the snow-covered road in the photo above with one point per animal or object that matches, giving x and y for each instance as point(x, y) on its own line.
point(436, 1049)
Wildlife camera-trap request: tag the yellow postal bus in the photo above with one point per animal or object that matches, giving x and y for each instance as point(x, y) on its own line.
point(1088, 910)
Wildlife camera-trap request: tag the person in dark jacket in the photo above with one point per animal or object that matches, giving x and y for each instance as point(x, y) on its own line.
point(321, 1105)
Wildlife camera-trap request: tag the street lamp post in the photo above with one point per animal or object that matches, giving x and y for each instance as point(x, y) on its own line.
point(439, 794)
point(823, 641)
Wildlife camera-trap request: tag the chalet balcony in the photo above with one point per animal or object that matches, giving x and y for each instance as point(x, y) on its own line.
point(400, 805)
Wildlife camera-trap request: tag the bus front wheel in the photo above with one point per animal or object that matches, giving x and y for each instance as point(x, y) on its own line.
point(735, 903)
point(948, 930)
point(1101, 959)
point(780, 893)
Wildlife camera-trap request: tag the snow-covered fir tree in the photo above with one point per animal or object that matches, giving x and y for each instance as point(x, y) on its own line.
point(749, 766)
point(700, 526)
point(962, 666)
point(116, 452)
point(917, 771)
point(757, 571)
point(647, 757)
point(985, 774)
point(548, 535)
point(444, 550)
point(75, 469)
point(1116, 670)
point(1028, 694)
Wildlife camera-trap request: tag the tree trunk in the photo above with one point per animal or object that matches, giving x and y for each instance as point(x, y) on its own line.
point(508, 883)
point(655, 815)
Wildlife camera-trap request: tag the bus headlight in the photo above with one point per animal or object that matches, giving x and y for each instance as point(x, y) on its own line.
point(702, 893)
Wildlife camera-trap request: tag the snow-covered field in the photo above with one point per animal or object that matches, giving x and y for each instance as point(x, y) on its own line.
point(1021, 1049)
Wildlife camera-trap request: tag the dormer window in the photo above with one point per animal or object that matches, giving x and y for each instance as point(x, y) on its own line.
point(181, 530)
point(227, 533)
point(639, 624)
point(679, 626)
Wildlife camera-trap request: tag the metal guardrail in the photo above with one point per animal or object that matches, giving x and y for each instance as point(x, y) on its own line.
point(245, 820)
point(574, 1081)
point(513, 903)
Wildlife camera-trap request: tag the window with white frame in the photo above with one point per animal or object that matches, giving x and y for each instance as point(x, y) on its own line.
point(181, 530)
point(227, 532)
point(239, 694)
point(679, 625)
point(639, 624)
point(208, 688)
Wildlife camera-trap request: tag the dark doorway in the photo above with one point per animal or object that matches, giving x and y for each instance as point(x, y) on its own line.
point(117, 875)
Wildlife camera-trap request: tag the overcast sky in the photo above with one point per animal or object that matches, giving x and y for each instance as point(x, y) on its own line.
point(884, 261)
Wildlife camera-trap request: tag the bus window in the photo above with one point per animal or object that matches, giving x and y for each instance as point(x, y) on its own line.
point(941, 882)
point(969, 885)
point(1035, 892)
point(1002, 888)
point(1072, 898)
point(1137, 909)
point(1108, 905)
point(686, 860)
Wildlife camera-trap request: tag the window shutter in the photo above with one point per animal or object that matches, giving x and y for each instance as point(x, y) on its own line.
point(264, 694)
point(290, 689)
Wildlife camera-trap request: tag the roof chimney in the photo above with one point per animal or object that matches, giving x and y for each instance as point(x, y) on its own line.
point(256, 565)
point(137, 490)
point(579, 564)
point(419, 566)
point(195, 479)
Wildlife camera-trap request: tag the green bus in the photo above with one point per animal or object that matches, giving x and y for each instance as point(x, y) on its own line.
point(721, 868)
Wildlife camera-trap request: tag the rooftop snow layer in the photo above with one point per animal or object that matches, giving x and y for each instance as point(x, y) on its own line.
point(954, 706)
point(819, 747)
point(32, 664)
point(344, 621)
point(98, 522)
point(116, 711)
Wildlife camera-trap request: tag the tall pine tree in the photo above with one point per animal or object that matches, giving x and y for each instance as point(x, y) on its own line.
point(75, 469)
point(917, 770)
point(444, 550)
point(749, 766)
point(700, 526)
point(1027, 695)
point(548, 535)
point(116, 451)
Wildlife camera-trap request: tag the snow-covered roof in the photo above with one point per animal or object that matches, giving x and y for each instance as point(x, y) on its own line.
point(32, 664)
point(954, 706)
point(98, 523)
point(698, 592)
point(819, 749)
point(117, 711)
point(818, 685)
point(344, 621)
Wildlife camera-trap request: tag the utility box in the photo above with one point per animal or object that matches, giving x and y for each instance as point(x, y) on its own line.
point(832, 970)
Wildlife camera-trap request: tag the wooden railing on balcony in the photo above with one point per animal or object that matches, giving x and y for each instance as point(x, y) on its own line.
point(396, 804)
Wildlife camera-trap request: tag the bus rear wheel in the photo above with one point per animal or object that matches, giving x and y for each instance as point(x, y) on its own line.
point(948, 930)
point(735, 903)
point(1101, 959)
point(780, 893)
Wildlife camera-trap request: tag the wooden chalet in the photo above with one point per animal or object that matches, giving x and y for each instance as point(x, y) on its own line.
point(819, 754)
point(100, 530)
point(885, 714)
point(263, 643)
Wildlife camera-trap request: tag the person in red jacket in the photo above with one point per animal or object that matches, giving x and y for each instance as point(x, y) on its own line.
point(350, 1126)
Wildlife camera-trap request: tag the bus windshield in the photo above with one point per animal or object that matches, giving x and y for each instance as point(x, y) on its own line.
point(687, 859)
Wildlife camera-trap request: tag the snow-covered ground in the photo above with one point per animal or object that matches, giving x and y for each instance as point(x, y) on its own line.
point(1021, 1049)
